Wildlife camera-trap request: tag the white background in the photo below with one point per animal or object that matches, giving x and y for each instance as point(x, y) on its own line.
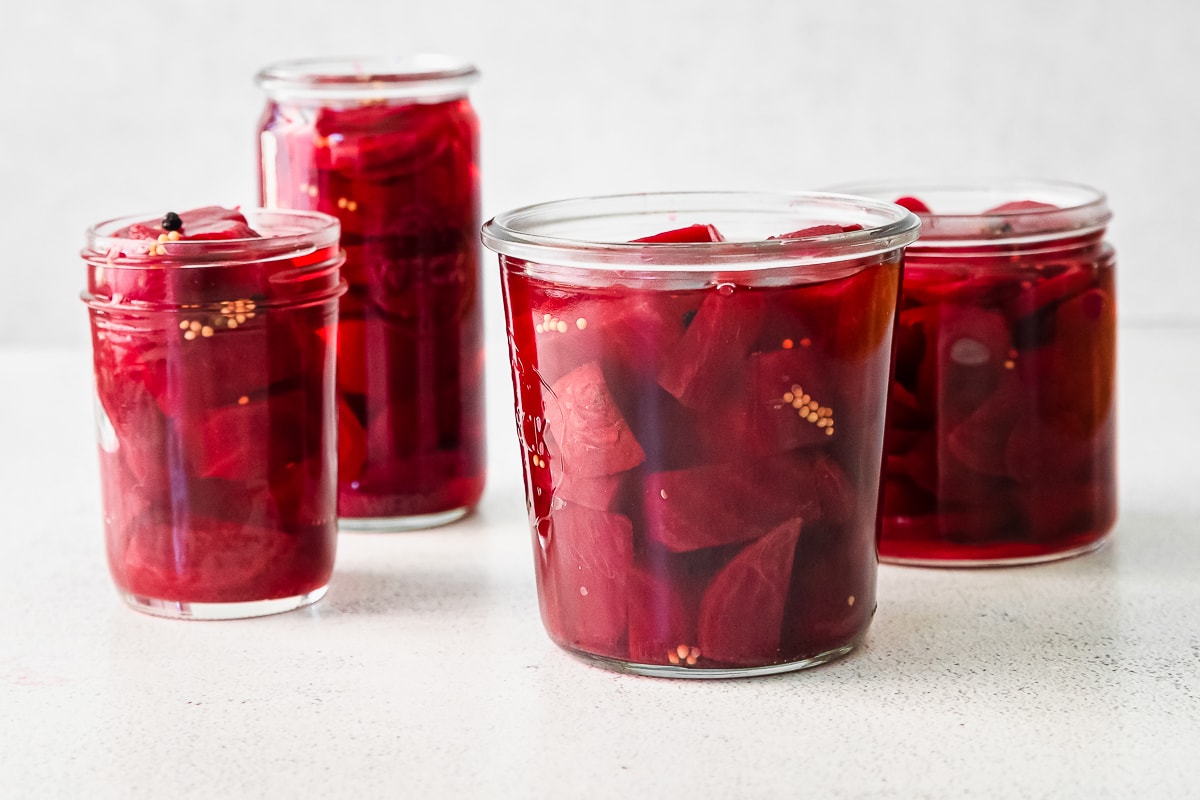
point(121, 106)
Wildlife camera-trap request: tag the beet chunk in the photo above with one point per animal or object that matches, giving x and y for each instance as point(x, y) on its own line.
point(590, 555)
point(699, 372)
point(593, 435)
point(717, 504)
point(741, 614)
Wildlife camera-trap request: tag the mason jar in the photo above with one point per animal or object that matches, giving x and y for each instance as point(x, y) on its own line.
point(701, 382)
point(213, 340)
point(1001, 442)
point(390, 147)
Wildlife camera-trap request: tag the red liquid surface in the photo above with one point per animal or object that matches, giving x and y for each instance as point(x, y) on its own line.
point(1001, 437)
point(403, 180)
point(215, 425)
point(689, 504)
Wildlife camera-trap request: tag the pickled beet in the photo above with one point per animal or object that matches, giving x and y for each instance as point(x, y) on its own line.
point(679, 443)
point(691, 233)
point(593, 437)
point(741, 615)
point(402, 177)
point(818, 230)
point(590, 555)
point(214, 388)
point(1000, 439)
point(701, 369)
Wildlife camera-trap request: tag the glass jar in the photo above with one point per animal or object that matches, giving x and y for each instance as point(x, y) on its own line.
point(214, 376)
point(701, 415)
point(1002, 434)
point(389, 146)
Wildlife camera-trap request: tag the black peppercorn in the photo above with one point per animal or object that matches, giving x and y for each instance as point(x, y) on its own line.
point(172, 222)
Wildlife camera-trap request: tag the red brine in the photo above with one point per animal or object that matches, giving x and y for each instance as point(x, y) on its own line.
point(212, 345)
point(1001, 438)
point(390, 149)
point(702, 448)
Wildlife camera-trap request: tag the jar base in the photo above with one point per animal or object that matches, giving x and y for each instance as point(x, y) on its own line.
point(1015, 561)
point(701, 673)
point(415, 522)
point(175, 609)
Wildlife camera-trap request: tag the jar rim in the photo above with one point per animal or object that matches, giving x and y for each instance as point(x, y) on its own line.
point(541, 233)
point(973, 217)
point(421, 75)
point(284, 233)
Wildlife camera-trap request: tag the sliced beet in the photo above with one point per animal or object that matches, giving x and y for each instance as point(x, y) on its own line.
point(420, 267)
point(599, 492)
point(853, 315)
point(932, 467)
point(590, 556)
point(1078, 392)
point(832, 594)
point(387, 143)
point(741, 614)
point(1045, 288)
point(254, 357)
point(247, 441)
point(593, 435)
point(130, 423)
point(1043, 453)
point(1018, 206)
point(771, 410)
point(629, 335)
point(819, 230)
point(215, 222)
point(690, 234)
point(980, 289)
point(913, 204)
point(202, 559)
point(972, 346)
point(206, 223)
point(662, 629)
point(980, 440)
point(546, 468)
point(432, 482)
point(303, 494)
point(700, 368)
point(717, 504)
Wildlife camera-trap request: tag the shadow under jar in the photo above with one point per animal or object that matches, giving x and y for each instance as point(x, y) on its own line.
point(213, 349)
point(701, 413)
point(389, 146)
point(1002, 426)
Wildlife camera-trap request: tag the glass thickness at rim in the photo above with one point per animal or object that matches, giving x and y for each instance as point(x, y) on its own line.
point(285, 233)
point(420, 76)
point(596, 233)
point(959, 217)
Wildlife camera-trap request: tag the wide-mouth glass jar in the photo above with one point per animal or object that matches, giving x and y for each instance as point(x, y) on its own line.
point(390, 147)
point(700, 384)
point(213, 343)
point(1002, 434)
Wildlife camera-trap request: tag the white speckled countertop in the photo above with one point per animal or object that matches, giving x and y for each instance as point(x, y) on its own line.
point(425, 671)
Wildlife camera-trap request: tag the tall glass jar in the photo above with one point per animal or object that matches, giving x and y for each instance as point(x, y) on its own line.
point(389, 146)
point(701, 414)
point(1002, 430)
point(213, 344)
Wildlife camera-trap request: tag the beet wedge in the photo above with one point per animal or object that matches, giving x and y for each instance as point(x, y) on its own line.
point(741, 613)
